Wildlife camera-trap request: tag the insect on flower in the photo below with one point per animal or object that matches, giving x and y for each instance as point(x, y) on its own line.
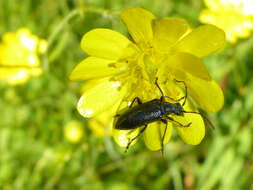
point(166, 48)
point(151, 111)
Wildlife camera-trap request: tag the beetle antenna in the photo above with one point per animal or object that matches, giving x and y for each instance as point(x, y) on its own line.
point(204, 117)
point(156, 83)
point(185, 97)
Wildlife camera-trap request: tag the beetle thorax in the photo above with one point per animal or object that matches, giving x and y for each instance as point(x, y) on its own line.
point(170, 108)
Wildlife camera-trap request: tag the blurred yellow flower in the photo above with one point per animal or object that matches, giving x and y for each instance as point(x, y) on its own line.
point(19, 53)
point(101, 125)
point(73, 131)
point(235, 17)
point(166, 49)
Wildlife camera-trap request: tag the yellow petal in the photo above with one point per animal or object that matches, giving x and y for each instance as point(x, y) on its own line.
point(195, 132)
point(139, 24)
point(188, 63)
point(93, 67)
point(102, 124)
point(202, 41)
point(122, 137)
point(243, 7)
point(100, 97)
point(104, 43)
point(90, 84)
point(168, 31)
point(216, 5)
point(207, 94)
point(234, 23)
point(153, 135)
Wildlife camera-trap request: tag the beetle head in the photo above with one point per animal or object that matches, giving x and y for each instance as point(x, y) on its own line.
point(178, 110)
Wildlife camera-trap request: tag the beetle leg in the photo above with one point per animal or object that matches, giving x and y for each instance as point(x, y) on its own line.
point(135, 99)
point(139, 134)
point(180, 124)
point(162, 143)
point(206, 120)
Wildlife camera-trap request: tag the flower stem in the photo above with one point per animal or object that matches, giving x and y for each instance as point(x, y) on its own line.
point(67, 18)
point(60, 26)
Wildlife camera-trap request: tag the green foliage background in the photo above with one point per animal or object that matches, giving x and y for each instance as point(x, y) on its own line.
point(33, 151)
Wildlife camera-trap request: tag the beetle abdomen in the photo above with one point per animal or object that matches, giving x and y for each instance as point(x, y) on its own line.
point(139, 115)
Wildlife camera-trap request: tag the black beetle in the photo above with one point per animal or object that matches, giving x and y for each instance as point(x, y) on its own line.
point(154, 110)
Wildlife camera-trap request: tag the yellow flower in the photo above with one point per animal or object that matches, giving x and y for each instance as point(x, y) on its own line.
point(166, 49)
point(73, 131)
point(235, 17)
point(19, 59)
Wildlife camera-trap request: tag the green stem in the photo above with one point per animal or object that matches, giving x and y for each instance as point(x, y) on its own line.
point(73, 13)
point(78, 11)
point(55, 33)
point(60, 26)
